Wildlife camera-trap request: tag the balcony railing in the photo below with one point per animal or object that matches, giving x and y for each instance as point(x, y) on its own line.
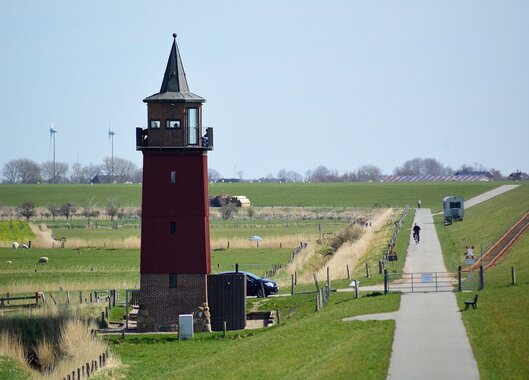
point(161, 139)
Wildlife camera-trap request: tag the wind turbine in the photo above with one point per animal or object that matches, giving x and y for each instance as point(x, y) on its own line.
point(53, 131)
point(111, 134)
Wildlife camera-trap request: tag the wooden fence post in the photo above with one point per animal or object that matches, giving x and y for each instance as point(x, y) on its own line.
point(292, 286)
point(459, 282)
point(328, 280)
point(367, 270)
point(316, 282)
point(513, 275)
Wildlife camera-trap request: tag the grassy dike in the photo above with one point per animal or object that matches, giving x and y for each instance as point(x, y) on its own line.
point(498, 327)
point(306, 344)
point(347, 194)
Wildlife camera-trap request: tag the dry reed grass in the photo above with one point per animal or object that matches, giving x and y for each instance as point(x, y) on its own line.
point(45, 353)
point(12, 346)
point(309, 261)
point(74, 355)
point(60, 355)
point(29, 286)
point(351, 253)
point(284, 241)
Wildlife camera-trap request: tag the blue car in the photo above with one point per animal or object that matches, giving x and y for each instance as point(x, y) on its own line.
point(253, 284)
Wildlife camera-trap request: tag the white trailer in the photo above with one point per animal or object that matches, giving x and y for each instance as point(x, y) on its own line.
point(453, 209)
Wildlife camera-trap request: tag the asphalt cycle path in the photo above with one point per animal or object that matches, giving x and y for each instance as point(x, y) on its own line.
point(430, 339)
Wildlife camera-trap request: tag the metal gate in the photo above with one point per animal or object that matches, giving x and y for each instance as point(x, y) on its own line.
point(427, 282)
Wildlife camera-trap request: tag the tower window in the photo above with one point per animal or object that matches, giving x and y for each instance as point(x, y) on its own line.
point(192, 126)
point(154, 124)
point(173, 228)
point(173, 177)
point(172, 280)
point(172, 124)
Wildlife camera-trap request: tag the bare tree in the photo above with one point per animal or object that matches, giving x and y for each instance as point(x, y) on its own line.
point(84, 174)
point(289, 176)
point(90, 211)
point(496, 174)
point(368, 173)
point(68, 210)
point(122, 168)
point(27, 210)
point(322, 174)
point(54, 210)
point(54, 172)
point(228, 210)
point(111, 209)
point(422, 166)
point(213, 175)
point(21, 171)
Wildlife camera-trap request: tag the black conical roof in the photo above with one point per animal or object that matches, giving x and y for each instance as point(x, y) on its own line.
point(174, 85)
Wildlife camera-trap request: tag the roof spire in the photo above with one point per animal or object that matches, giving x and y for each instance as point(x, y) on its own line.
point(174, 85)
point(174, 79)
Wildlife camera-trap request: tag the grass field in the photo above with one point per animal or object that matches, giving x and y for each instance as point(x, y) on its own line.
point(307, 345)
point(267, 194)
point(93, 269)
point(482, 226)
point(498, 327)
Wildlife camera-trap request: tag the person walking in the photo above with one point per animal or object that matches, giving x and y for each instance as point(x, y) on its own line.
point(419, 204)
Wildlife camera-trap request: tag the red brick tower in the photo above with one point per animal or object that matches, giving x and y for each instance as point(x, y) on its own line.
point(175, 251)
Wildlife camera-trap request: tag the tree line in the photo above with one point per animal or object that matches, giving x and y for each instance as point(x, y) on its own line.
point(415, 166)
point(25, 171)
point(69, 210)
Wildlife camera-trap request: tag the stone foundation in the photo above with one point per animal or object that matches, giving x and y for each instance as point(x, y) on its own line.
point(160, 305)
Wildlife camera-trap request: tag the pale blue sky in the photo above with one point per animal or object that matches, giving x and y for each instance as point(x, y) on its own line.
point(289, 84)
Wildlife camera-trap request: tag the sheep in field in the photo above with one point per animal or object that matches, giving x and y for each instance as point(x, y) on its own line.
point(25, 246)
point(15, 245)
point(43, 260)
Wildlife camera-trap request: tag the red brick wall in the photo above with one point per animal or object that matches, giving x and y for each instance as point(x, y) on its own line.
point(185, 203)
point(165, 304)
point(167, 111)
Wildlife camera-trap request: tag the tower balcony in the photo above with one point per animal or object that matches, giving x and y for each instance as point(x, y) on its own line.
point(172, 139)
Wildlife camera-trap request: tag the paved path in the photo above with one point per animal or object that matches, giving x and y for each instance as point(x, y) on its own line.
point(486, 196)
point(430, 339)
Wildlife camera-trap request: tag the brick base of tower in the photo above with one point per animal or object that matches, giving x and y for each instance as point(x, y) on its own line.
point(163, 303)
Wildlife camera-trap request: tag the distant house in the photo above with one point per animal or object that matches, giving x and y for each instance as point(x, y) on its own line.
point(518, 176)
point(101, 179)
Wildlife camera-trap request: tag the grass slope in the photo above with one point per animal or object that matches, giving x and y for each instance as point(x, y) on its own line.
point(307, 344)
point(498, 327)
point(267, 194)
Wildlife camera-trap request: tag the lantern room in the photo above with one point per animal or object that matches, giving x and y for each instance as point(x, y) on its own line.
point(174, 115)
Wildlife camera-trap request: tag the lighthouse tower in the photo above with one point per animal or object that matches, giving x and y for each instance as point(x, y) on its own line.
point(175, 247)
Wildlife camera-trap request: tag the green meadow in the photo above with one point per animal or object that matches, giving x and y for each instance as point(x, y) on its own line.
point(328, 195)
point(305, 344)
